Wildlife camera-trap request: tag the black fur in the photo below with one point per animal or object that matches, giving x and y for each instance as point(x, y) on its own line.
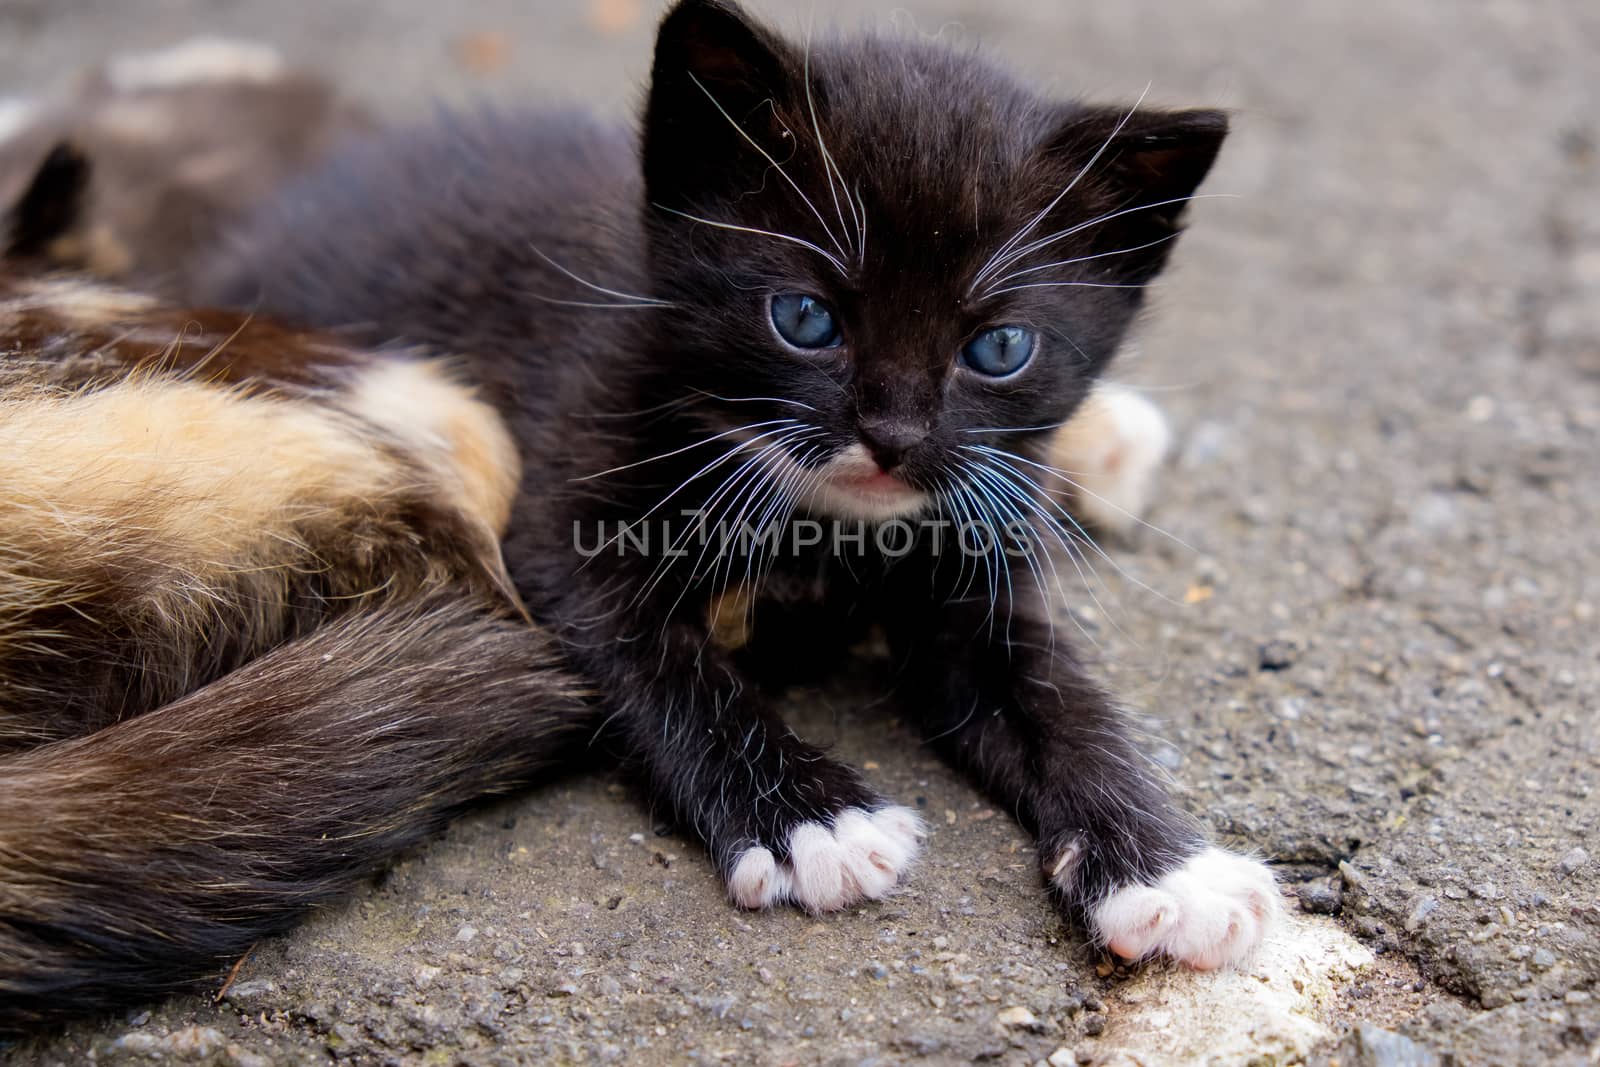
point(449, 235)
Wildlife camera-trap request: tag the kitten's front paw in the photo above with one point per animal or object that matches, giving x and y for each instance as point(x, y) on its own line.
point(861, 857)
point(1211, 912)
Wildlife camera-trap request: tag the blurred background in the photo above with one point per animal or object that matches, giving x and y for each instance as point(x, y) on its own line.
point(1373, 658)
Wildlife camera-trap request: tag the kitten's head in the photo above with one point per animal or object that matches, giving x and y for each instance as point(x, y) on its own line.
point(896, 247)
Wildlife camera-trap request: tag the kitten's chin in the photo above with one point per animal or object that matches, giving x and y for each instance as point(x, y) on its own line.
point(850, 486)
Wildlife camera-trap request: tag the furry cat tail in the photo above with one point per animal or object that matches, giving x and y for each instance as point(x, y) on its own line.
point(153, 853)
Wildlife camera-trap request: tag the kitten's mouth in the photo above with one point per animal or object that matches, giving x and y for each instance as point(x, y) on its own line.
point(875, 483)
point(854, 486)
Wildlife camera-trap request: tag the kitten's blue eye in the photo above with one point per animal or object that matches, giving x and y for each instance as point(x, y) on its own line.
point(804, 321)
point(1000, 351)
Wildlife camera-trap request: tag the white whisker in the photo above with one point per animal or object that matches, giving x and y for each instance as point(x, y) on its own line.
point(1018, 429)
point(775, 164)
point(1082, 259)
point(686, 448)
point(1064, 539)
point(998, 506)
point(791, 426)
point(829, 167)
point(1000, 459)
point(593, 304)
point(754, 399)
point(994, 260)
point(1045, 242)
point(631, 298)
point(1061, 285)
point(1065, 476)
point(861, 243)
point(739, 483)
point(801, 241)
point(1007, 490)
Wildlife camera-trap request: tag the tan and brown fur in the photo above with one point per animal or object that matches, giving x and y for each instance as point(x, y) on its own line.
point(177, 497)
point(255, 631)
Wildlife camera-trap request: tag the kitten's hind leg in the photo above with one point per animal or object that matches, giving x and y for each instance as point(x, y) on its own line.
point(1111, 449)
point(1019, 714)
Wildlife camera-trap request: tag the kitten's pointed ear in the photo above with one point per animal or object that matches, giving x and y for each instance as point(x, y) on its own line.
point(1158, 156)
point(716, 73)
point(1141, 169)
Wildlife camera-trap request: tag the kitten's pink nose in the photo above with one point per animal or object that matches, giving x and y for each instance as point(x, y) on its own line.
point(889, 439)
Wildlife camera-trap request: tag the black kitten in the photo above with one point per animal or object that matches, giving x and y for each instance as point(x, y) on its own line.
point(833, 302)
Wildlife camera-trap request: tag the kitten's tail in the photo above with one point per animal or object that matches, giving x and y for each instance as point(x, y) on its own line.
point(152, 853)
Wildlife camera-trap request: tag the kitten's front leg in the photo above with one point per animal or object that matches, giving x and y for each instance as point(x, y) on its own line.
point(784, 822)
point(1011, 705)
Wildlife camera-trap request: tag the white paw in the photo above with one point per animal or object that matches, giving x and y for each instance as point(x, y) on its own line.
point(1211, 912)
point(1112, 448)
point(862, 857)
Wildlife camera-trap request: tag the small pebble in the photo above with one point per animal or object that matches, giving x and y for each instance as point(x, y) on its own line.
point(240, 1057)
point(1321, 897)
point(921, 1044)
point(1572, 861)
point(1063, 1057)
point(257, 992)
point(1277, 655)
point(1420, 912)
point(195, 1042)
point(1372, 1046)
point(1019, 1018)
point(137, 1043)
point(1350, 873)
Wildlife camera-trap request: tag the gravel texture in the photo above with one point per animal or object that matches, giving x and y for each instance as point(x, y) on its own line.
point(1371, 652)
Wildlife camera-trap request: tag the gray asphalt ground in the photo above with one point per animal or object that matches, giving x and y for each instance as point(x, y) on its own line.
point(1373, 656)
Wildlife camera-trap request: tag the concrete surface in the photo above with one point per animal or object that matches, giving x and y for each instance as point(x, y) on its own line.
point(1377, 664)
